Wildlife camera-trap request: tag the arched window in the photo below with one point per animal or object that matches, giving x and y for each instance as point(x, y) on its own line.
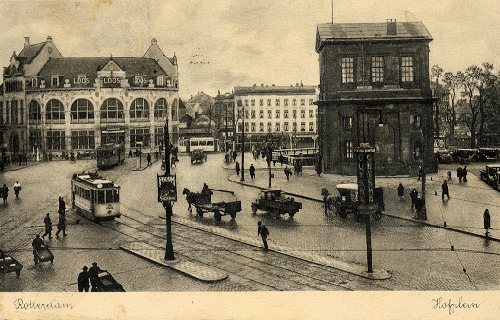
point(54, 110)
point(82, 110)
point(112, 110)
point(139, 110)
point(34, 112)
point(160, 109)
point(175, 107)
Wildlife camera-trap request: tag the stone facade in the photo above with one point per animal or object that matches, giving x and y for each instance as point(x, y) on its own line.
point(375, 88)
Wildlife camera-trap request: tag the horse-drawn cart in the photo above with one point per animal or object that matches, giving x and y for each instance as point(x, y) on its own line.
point(202, 201)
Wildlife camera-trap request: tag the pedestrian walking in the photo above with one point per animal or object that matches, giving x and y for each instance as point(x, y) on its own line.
point(17, 189)
point(48, 226)
point(487, 221)
point(459, 174)
point(449, 175)
point(62, 205)
point(413, 197)
point(419, 205)
point(420, 173)
point(464, 174)
point(288, 172)
point(83, 280)
point(444, 190)
point(37, 245)
point(93, 275)
point(237, 168)
point(61, 224)
point(130, 154)
point(5, 194)
point(148, 159)
point(252, 171)
point(263, 232)
point(235, 154)
point(401, 192)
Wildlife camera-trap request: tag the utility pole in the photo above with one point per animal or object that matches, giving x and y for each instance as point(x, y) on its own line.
point(243, 143)
point(169, 248)
point(269, 156)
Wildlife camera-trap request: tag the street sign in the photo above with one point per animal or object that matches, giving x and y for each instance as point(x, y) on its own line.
point(167, 188)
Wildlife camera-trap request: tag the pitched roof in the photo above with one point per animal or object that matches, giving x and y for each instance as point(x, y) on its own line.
point(72, 67)
point(369, 31)
point(31, 51)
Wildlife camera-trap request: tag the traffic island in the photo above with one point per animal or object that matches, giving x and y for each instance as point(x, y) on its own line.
point(182, 264)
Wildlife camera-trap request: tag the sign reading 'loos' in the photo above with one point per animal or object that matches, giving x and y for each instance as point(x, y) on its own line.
point(111, 82)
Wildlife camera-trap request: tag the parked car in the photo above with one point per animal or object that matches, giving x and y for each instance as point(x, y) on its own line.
point(198, 156)
point(491, 175)
point(444, 156)
point(464, 156)
point(487, 154)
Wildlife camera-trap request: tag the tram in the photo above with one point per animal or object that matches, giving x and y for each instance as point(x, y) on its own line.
point(207, 144)
point(110, 155)
point(95, 197)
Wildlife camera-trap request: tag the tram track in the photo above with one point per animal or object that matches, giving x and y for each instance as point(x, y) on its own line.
point(233, 257)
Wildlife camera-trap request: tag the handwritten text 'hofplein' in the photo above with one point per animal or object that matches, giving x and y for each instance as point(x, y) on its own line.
point(452, 306)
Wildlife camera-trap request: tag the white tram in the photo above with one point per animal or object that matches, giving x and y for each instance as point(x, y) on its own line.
point(95, 196)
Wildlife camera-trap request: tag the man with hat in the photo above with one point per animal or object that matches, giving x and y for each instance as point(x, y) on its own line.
point(93, 275)
point(83, 280)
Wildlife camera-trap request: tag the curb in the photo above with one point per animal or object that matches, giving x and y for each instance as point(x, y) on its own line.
point(387, 214)
point(217, 276)
point(348, 267)
point(21, 167)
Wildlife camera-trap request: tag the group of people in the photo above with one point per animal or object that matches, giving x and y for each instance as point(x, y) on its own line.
point(237, 168)
point(88, 277)
point(4, 191)
point(61, 224)
point(462, 174)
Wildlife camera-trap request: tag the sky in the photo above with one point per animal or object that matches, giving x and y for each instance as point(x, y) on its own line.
point(221, 44)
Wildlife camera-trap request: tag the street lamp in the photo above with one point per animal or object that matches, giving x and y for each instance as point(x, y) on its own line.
point(243, 143)
point(169, 248)
point(140, 153)
point(269, 143)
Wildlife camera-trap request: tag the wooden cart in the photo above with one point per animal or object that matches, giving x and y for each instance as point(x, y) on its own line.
point(203, 203)
point(43, 255)
point(106, 283)
point(9, 264)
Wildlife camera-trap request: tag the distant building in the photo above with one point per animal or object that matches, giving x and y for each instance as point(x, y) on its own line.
point(286, 112)
point(224, 118)
point(197, 117)
point(375, 88)
point(57, 104)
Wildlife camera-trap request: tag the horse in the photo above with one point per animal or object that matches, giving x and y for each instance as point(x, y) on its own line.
point(190, 197)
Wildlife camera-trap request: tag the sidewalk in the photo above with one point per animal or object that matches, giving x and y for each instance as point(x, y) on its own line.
point(259, 164)
point(462, 213)
point(15, 167)
point(143, 163)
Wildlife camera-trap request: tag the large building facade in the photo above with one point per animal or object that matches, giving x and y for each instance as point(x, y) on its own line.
point(288, 113)
point(55, 104)
point(375, 88)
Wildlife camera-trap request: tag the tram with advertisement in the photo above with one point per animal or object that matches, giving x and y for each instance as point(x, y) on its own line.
point(94, 197)
point(110, 155)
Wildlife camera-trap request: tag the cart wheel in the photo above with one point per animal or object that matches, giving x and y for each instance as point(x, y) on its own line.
point(233, 215)
point(377, 215)
point(254, 208)
point(342, 213)
point(199, 212)
point(217, 215)
point(331, 208)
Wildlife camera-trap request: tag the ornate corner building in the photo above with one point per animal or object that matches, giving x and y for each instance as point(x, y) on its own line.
point(375, 88)
point(55, 104)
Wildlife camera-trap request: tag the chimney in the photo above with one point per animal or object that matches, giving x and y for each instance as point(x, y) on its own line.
point(391, 27)
point(49, 38)
point(153, 41)
point(26, 41)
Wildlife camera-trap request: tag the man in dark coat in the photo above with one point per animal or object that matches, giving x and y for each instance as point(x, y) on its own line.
point(148, 159)
point(464, 174)
point(93, 275)
point(61, 224)
point(413, 197)
point(263, 232)
point(444, 190)
point(487, 221)
point(401, 192)
point(62, 205)
point(5, 194)
point(252, 171)
point(237, 168)
point(83, 280)
point(459, 174)
point(37, 244)
point(48, 226)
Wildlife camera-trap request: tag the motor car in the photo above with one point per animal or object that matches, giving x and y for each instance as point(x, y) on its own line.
point(444, 156)
point(487, 154)
point(463, 156)
point(491, 175)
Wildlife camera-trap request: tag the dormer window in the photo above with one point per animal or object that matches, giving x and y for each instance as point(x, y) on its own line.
point(54, 81)
point(160, 81)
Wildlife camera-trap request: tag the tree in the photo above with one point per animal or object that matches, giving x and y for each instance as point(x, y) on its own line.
point(436, 73)
point(451, 83)
point(468, 82)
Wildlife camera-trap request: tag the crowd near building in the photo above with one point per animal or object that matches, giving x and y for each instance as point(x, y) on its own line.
point(288, 113)
point(57, 104)
point(375, 88)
